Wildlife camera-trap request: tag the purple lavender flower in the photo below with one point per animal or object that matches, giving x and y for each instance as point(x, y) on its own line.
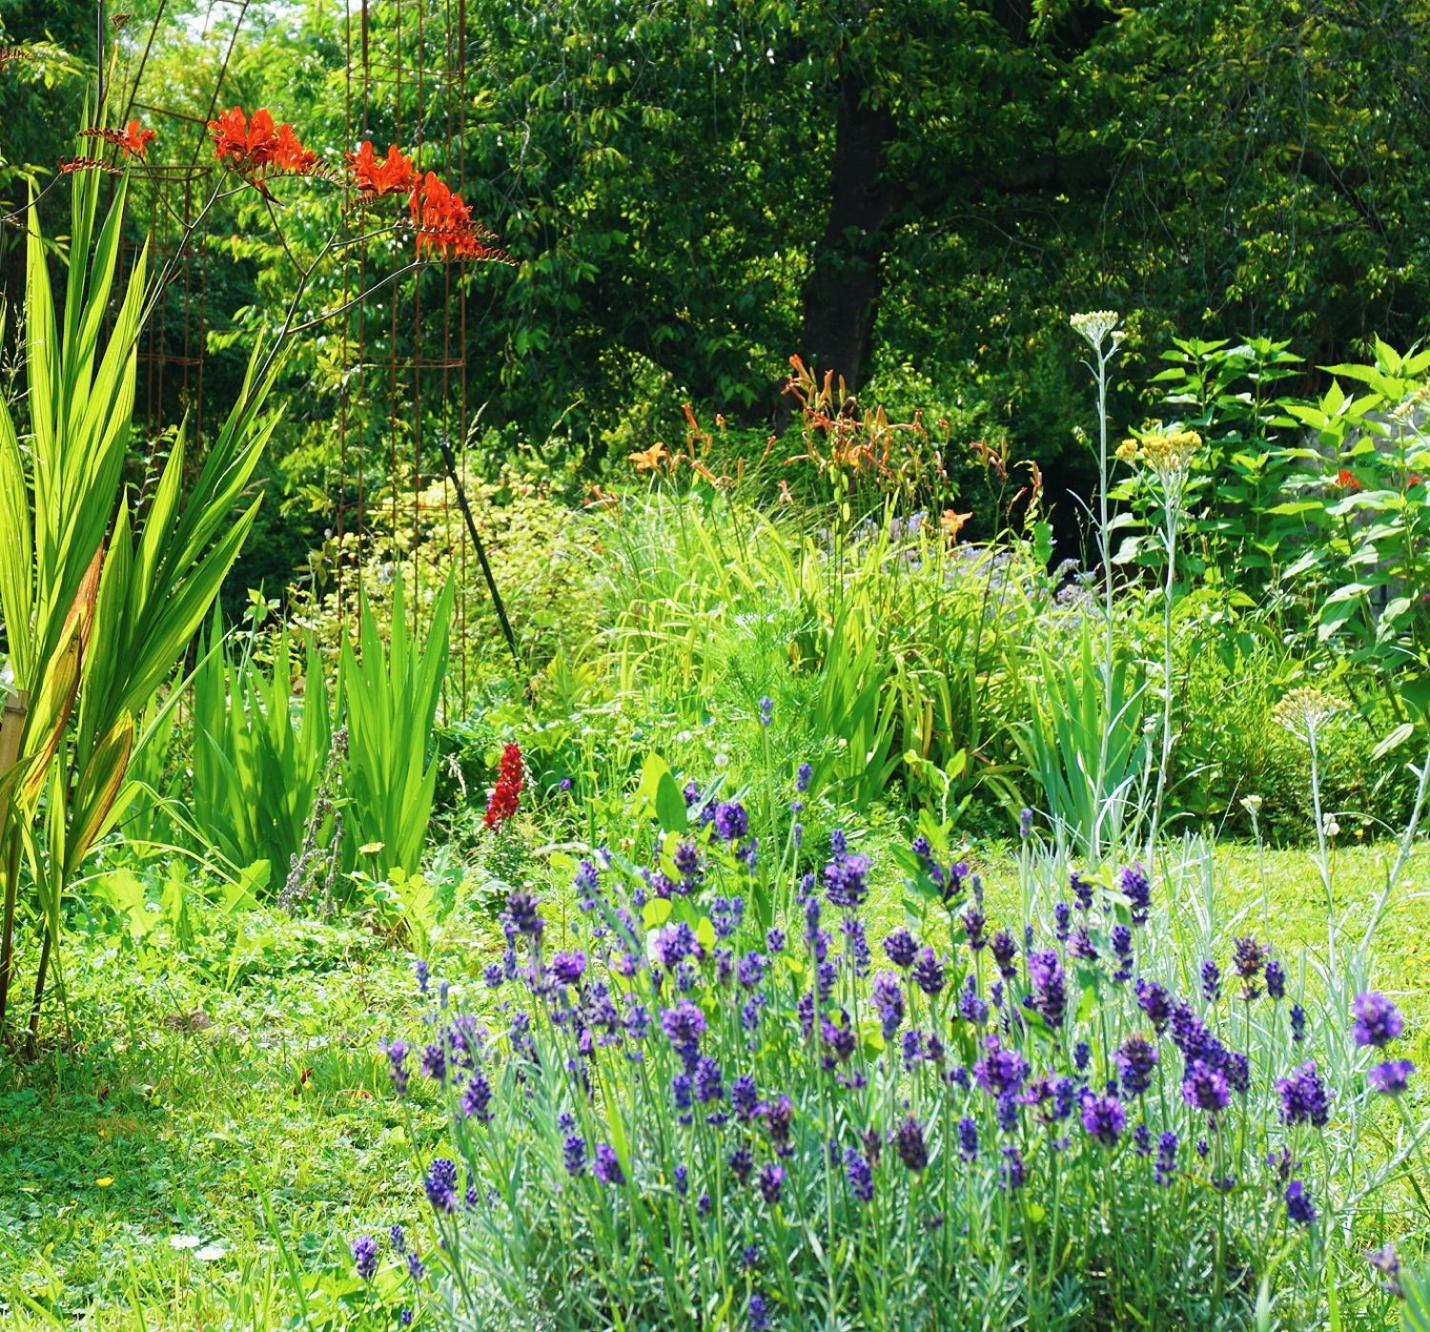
point(1275, 979)
point(779, 1116)
point(441, 1185)
point(1205, 1087)
point(1082, 1053)
point(683, 1026)
point(1103, 1117)
point(888, 998)
point(1081, 891)
point(1005, 950)
point(1304, 1098)
point(744, 1097)
point(1081, 946)
point(839, 1037)
point(909, 1140)
point(521, 911)
point(477, 1099)
point(1298, 1204)
point(1012, 1173)
point(434, 1062)
point(775, 941)
point(968, 1138)
point(741, 1162)
point(396, 1052)
point(1049, 996)
point(1135, 1059)
point(1142, 1140)
point(365, 1256)
point(1247, 959)
point(758, 1316)
point(568, 967)
point(971, 1007)
point(846, 880)
point(1121, 939)
point(424, 975)
point(1377, 1020)
point(731, 821)
point(1155, 1002)
point(803, 776)
point(709, 1085)
point(607, 1165)
point(860, 1175)
point(1298, 1023)
point(1000, 1070)
point(397, 1239)
point(1386, 1261)
point(1166, 1166)
point(573, 1152)
point(900, 947)
point(973, 924)
point(1137, 890)
point(415, 1268)
point(1392, 1077)
point(928, 972)
point(771, 1181)
point(1062, 921)
point(1211, 981)
point(1238, 1071)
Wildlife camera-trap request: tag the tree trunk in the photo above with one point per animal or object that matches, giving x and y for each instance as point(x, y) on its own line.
point(842, 291)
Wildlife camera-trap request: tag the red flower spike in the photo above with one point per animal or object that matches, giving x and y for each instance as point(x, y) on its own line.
point(1347, 480)
point(506, 796)
point(290, 155)
point(444, 224)
point(375, 177)
point(133, 139)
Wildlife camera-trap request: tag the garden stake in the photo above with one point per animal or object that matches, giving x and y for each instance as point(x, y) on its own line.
point(466, 508)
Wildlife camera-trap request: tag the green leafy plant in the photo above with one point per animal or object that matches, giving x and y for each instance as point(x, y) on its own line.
point(1083, 740)
point(99, 593)
point(258, 750)
point(389, 700)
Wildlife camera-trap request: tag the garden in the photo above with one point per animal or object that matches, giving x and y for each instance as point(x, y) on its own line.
point(731, 665)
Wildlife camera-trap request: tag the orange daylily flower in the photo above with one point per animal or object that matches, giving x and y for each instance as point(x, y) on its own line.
point(649, 460)
point(952, 523)
point(375, 176)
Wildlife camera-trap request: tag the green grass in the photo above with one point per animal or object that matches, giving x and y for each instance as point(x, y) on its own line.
point(253, 1116)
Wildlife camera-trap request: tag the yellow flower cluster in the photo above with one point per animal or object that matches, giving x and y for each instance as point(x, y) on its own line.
point(1163, 452)
point(1305, 710)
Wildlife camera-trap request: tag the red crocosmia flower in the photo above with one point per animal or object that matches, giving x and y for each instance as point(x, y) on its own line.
point(136, 139)
point(1346, 480)
point(244, 144)
point(1415, 479)
point(442, 219)
point(444, 225)
point(290, 155)
point(376, 176)
point(250, 146)
point(506, 795)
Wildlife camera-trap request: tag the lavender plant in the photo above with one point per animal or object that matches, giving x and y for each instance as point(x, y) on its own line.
point(661, 1112)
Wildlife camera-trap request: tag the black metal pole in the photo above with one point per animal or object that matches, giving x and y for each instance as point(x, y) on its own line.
point(450, 460)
